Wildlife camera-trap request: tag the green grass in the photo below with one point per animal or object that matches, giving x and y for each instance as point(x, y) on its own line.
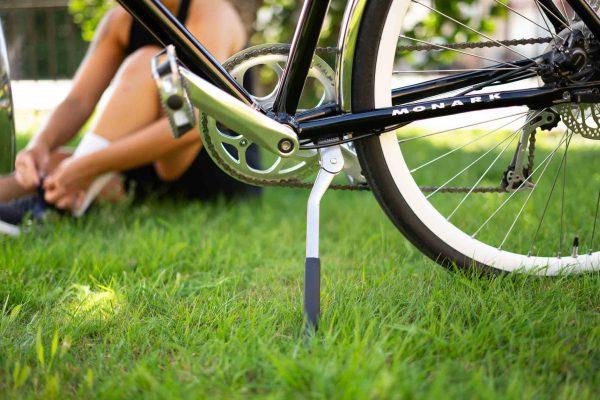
point(193, 300)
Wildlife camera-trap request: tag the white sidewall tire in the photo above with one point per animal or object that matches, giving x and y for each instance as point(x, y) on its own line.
point(404, 202)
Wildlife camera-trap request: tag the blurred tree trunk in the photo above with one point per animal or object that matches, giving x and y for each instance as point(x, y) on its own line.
point(247, 9)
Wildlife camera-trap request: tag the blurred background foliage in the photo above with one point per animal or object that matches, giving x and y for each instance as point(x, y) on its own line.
point(88, 13)
point(274, 21)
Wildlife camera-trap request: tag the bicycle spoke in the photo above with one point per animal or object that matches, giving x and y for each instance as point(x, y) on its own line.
point(537, 231)
point(518, 188)
point(482, 177)
point(555, 16)
point(537, 4)
point(512, 135)
point(531, 193)
point(473, 30)
point(564, 9)
point(442, 71)
point(562, 201)
point(506, 77)
point(595, 222)
point(528, 19)
point(462, 147)
point(461, 127)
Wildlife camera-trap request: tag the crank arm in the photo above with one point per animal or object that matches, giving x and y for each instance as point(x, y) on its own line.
point(278, 138)
point(181, 89)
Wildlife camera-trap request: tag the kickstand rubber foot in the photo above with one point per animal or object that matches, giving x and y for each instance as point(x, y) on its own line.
point(312, 292)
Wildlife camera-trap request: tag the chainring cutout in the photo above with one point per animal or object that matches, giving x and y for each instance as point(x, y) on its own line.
point(230, 149)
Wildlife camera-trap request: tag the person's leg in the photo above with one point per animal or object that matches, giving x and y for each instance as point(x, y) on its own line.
point(10, 189)
point(129, 106)
point(16, 203)
point(132, 103)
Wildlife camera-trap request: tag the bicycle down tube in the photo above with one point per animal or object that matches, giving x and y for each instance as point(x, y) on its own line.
point(168, 30)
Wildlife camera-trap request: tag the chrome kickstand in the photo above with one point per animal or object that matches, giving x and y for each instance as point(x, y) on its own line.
point(332, 163)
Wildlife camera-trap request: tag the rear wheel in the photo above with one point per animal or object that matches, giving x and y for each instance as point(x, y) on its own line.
point(451, 185)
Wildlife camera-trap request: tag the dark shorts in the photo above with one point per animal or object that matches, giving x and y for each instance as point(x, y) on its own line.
point(203, 180)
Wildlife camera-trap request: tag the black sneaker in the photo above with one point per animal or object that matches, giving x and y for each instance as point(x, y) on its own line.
point(14, 213)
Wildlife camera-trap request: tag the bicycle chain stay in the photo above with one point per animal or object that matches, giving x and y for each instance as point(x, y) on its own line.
point(429, 189)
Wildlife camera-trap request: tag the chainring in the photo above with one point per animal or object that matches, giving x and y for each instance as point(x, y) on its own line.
point(230, 150)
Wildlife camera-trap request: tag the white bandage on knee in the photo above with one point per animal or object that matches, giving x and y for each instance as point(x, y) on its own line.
point(92, 143)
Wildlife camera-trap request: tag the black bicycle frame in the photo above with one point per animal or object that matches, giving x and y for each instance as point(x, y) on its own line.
point(168, 30)
point(385, 119)
point(327, 121)
point(301, 55)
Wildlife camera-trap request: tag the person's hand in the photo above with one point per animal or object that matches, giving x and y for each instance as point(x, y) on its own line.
point(67, 184)
point(30, 165)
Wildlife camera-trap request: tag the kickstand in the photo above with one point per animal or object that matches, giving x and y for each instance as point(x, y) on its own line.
point(332, 163)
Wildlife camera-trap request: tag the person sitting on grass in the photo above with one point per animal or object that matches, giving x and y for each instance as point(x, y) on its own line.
point(129, 134)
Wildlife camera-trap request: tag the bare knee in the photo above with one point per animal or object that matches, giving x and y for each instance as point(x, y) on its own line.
point(140, 60)
point(136, 69)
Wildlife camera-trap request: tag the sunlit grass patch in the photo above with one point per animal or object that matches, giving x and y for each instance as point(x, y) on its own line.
point(83, 303)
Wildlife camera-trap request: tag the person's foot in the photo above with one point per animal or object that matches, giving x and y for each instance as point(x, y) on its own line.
point(96, 189)
point(14, 213)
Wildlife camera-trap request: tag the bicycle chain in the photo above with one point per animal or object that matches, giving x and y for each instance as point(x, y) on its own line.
point(293, 184)
point(531, 158)
point(458, 46)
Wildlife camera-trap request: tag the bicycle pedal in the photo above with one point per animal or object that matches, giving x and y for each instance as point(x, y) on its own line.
point(173, 94)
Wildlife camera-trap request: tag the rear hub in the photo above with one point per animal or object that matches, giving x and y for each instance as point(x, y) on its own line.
point(574, 59)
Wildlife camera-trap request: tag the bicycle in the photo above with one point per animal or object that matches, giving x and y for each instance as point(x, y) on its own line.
point(364, 125)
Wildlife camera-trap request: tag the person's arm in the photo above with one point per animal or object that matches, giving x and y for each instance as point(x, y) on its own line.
point(140, 148)
point(92, 78)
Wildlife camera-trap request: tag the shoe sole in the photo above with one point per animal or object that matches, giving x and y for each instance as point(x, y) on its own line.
point(10, 230)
